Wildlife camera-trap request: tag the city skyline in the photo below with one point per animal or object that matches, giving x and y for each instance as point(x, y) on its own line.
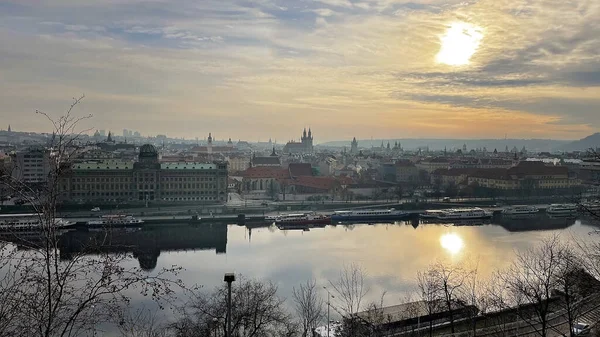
point(372, 68)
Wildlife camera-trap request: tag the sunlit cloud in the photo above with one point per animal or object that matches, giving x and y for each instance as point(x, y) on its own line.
point(458, 44)
point(376, 67)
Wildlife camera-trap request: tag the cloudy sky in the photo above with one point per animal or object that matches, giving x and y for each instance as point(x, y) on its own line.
point(256, 69)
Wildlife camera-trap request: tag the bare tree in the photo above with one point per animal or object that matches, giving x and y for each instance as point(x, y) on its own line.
point(430, 292)
point(53, 296)
point(309, 306)
point(142, 323)
point(450, 279)
point(351, 289)
point(530, 281)
point(256, 311)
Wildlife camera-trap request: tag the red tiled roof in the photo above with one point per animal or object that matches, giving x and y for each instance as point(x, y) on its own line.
point(265, 172)
point(300, 169)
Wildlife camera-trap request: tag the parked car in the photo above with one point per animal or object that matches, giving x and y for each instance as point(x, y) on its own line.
point(446, 199)
point(96, 209)
point(581, 328)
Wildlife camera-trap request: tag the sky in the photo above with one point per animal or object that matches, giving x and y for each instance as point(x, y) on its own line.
point(259, 69)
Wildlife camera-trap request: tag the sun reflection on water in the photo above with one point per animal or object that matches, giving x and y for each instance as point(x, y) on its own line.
point(452, 243)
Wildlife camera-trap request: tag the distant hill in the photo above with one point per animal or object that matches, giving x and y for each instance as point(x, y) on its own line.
point(533, 145)
point(589, 142)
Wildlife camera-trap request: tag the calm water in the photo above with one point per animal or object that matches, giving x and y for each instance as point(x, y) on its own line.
point(390, 253)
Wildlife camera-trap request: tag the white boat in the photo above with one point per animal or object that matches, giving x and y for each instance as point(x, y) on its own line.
point(561, 209)
point(520, 210)
point(464, 214)
point(270, 218)
point(27, 223)
point(432, 214)
point(117, 220)
point(302, 219)
point(369, 215)
point(593, 207)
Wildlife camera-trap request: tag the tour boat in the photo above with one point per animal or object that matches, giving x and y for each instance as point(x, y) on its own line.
point(369, 215)
point(432, 214)
point(562, 209)
point(116, 220)
point(27, 223)
point(270, 218)
point(301, 219)
point(464, 214)
point(593, 207)
point(520, 210)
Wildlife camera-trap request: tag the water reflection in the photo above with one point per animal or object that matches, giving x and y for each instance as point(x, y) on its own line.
point(146, 245)
point(452, 243)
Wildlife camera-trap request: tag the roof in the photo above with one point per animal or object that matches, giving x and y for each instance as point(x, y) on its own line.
point(493, 173)
point(103, 165)
point(265, 172)
point(300, 169)
point(537, 168)
point(187, 166)
point(405, 311)
point(266, 161)
point(405, 163)
point(323, 183)
point(454, 172)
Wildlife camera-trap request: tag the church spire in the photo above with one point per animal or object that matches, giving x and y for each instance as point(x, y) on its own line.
point(9, 130)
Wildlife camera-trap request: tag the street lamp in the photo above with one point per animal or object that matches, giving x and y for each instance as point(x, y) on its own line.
point(229, 278)
point(329, 296)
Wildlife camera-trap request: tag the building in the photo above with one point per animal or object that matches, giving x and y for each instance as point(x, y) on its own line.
point(304, 146)
point(272, 160)
point(263, 178)
point(431, 164)
point(145, 180)
point(31, 166)
point(406, 172)
point(237, 163)
point(409, 316)
point(354, 146)
point(210, 148)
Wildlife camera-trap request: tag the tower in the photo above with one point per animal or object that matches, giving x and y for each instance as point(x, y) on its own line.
point(310, 141)
point(354, 146)
point(210, 138)
point(9, 130)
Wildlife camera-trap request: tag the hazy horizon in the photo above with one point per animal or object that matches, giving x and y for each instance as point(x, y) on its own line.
point(268, 68)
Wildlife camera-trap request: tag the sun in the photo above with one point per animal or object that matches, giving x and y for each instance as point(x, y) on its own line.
point(452, 243)
point(459, 43)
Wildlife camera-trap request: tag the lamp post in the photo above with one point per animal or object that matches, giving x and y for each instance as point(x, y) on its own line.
point(229, 278)
point(329, 296)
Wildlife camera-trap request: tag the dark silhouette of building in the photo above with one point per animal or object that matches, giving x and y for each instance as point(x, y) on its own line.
point(146, 245)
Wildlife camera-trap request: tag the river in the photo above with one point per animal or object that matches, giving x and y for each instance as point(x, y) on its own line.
point(391, 254)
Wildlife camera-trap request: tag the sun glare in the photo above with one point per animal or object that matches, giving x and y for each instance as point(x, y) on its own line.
point(459, 43)
point(452, 243)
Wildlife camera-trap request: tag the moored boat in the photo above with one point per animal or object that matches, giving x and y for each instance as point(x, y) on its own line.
point(562, 209)
point(115, 220)
point(520, 210)
point(301, 219)
point(369, 215)
point(28, 223)
point(432, 214)
point(592, 207)
point(464, 214)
